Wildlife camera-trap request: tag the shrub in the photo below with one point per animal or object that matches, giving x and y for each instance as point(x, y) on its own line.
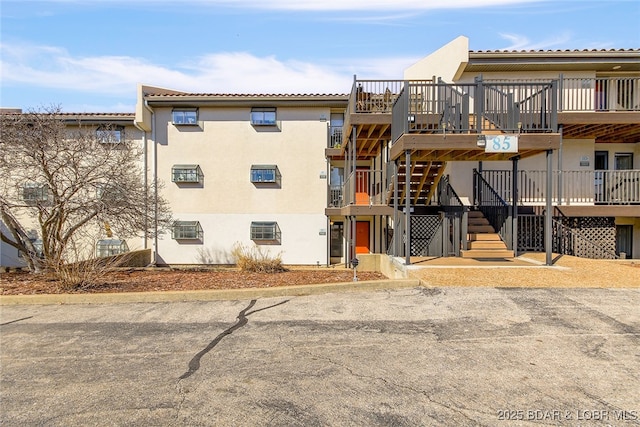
point(256, 259)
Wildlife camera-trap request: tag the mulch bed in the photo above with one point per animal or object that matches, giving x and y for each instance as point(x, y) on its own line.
point(139, 280)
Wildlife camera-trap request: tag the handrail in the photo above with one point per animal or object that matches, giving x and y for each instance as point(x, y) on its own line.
point(447, 196)
point(478, 195)
point(495, 209)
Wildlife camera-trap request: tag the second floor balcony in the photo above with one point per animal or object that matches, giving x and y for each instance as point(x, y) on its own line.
point(570, 187)
point(493, 106)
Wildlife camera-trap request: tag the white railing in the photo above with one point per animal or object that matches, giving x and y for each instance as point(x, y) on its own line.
point(569, 187)
point(335, 136)
point(336, 199)
point(576, 94)
point(600, 94)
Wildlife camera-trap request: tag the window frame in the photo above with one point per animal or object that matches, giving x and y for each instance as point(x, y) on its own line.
point(111, 247)
point(196, 232)
point(188, 171)
point(186, 120)
point(265, 232)
point(258, 171)
point(110, 193)
point(258, 116)
point(34, 193)
point(107, 135)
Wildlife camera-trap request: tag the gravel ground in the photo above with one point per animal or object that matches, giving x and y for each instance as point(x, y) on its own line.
point(528, 271)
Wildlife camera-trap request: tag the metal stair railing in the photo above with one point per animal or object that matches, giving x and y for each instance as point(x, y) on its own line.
point(498, 212)
point(451, 203)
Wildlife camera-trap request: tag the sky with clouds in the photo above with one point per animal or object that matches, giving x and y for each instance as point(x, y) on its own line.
point(89, 55)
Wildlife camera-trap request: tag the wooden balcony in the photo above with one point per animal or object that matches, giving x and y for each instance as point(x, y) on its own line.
point(580, 192)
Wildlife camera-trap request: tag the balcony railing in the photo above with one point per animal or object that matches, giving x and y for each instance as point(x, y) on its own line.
point(620, 187)
point(364, 187)
point(375, 96)
point(426, 107)
point(599, 94)
point(336, 199)
point(590, 94)
point(335, 137)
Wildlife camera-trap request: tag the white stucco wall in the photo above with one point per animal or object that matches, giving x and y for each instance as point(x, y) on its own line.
point(444, 62)
point(225, 145)
point(301, 241)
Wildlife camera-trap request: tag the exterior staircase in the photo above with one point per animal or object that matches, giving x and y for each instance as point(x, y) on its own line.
point(484, 242)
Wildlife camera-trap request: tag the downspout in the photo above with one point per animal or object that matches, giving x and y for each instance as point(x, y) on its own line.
point(407, 207)
point(327, 198)
point(154, 162)
point(560, 177)
point(155, 184)
point(145, 180)
point(548, 219)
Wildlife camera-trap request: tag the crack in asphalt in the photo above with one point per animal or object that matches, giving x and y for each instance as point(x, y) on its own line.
point(194, 363)
point(15, 321)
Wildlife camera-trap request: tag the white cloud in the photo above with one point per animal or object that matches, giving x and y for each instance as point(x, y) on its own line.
point(327, 5)
point(520, 42)
point(231, 72)
point(368, 5)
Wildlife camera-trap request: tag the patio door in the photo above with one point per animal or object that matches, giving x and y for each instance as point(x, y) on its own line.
point(362, 237)
point(624, 240)
point(601, 164)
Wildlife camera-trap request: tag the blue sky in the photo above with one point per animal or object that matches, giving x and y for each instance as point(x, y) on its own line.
point(89, 55)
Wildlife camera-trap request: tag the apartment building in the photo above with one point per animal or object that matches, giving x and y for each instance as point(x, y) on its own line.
point(240, 169)
point(489, 154)
point(33, 192)
point(482, 154)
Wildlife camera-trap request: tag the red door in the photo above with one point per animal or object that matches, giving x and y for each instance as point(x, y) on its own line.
point(362, 237)
point(362, 186)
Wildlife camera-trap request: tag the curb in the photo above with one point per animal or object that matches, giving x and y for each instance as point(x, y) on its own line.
point(207, 295)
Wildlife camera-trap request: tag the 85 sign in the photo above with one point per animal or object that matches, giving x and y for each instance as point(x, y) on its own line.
point(501, 144)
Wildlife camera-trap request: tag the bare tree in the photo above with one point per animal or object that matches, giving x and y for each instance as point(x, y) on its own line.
point(67, 178)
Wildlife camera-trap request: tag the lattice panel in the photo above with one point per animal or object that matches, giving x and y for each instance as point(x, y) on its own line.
point(599, 230)
point(423, 229)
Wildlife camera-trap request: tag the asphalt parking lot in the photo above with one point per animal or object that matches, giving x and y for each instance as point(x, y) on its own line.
point(419, 356)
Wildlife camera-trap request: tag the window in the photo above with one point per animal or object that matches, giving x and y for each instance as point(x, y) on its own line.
point(33, 193)
point(623, 161)
point(111, 247)
point(265, 174)
point(263, 117)
point(186, 173)
point(335, 130)
point(187, 230)
point(110, 134)
point(265, 232)
point(185, 116)
point(110, 193)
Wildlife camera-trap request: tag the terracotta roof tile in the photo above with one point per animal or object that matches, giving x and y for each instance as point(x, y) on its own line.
point(248, 95)
point(557, 51)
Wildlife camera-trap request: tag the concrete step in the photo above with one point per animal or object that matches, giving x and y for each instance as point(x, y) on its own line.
point(487, 253)
point(483, 236)
point(487, 244)
point(478, 221)
point(480, 229)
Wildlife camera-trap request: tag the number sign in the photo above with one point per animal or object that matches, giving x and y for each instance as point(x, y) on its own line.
point(501, 144)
